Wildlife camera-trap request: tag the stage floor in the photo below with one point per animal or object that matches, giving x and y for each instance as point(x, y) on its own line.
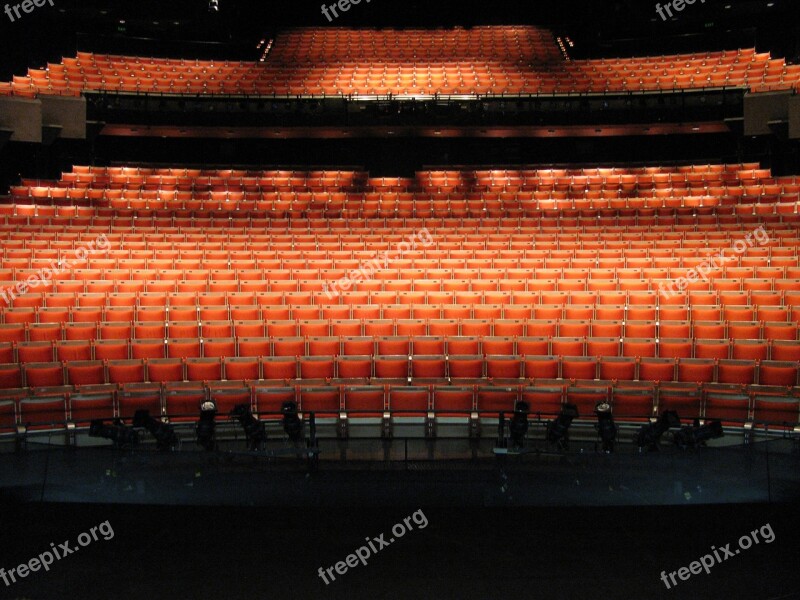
point(583, 525)
point(446, 473)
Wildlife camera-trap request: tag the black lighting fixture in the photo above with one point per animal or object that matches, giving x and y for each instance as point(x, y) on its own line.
point(292, 424)
point(206, 425)
point(518, 425)
point(650, 435)
point(606, 428)
point(254, 430)
point(122, 435)
point(695, 434)
point(558, 428)
point(164, 433)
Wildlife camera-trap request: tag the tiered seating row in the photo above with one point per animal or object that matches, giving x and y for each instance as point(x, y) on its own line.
point(356, 207)
point(737, 189)
point(501, 369)
point(743, 310)
point(558, 180)
point(771, 408)
point(114, 285)
point(148, 340)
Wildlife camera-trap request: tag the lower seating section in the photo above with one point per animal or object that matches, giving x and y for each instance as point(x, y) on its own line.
point(693, 307)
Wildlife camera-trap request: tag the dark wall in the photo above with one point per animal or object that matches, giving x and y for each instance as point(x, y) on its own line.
point(403, 157)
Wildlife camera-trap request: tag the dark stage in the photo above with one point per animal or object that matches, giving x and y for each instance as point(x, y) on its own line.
point(440, 473)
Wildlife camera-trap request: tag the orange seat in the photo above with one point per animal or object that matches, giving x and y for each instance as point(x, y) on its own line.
point(409, 401)
point(719, 349)
point(203, 369)
point(730, 407)
point(86, 373)
point(686, 399)
point(451, 401)
point(111, 350)
point(696, 370)
point(184, 348)
point(657, 369)
point(541, 367)
point(219, 348)
point(165, 370)
point(773, 409)
point(675, 348)
point(41, 375)
point(428, 367)
point(544, 400)
point(633, 401)
point(639, 348)
point(43, 413)
point(33, 352)
point(86, 407)
point(10, 376)
point(354, 367)
point(391, 367)
point(242, 369)
point(317, 367)
point(742, 372)
point(618, 369)
point(280, 367)
point(503, 367)
point(323, 401)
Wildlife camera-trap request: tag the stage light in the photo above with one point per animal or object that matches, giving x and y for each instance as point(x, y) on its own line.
point(650, 435)
point(122, 435)
point(558, 428)
point(606, 427)
point(695, 435)
point(164, 433)
point(213, 6)
point(292, 424)
point(254, 430)
point(206, 425)
point(518, 425)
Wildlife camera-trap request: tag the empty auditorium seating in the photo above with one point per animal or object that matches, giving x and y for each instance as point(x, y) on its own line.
point(477, 314)
point(508, 60)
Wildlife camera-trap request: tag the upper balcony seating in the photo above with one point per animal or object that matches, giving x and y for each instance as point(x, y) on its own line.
point(517, 60)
